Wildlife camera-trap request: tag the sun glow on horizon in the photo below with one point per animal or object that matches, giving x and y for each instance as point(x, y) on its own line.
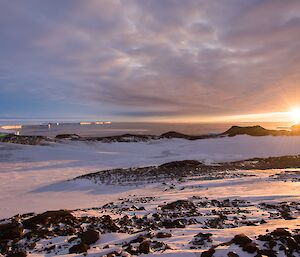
point(295, 114)
point(292, 117)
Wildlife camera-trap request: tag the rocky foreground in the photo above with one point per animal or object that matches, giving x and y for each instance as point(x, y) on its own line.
point(57, 232)
point(75, 232)
point(182, 215)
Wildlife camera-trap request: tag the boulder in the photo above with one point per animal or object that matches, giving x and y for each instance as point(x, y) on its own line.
point(232, 254)
point(292, 244)
point(267, 252)
point(208, 253)
point(297, 238)
point(179, 205)
point(264, 238)
point(109, 224)
point(10, 231)
point(201, 239)
point(89, 237)
point(250, 248)
point(163, 235)
point(17, 254)
point(179, 223)
point(79, 248)
point(131, 250)
point(113, 254)
point(145, 247)
point(241, 240)
point(281, 232)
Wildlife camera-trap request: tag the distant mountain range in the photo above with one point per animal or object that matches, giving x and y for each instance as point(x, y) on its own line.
point(126, 138)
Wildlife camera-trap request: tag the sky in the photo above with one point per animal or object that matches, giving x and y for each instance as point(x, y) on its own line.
point(158, 60)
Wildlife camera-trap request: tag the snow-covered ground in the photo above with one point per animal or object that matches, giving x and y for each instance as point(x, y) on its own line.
point(244, 202)
point(253, 190)
point(32, 177)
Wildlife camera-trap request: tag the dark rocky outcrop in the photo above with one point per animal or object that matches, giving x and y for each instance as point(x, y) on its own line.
point(173, 170)
point(180, 170)
point(186, 164)
point(126, 138)
point(174, 134)
point(49, 218)
point(254, 131)
point(67, 136)
point(282, 162)
point(26, 140)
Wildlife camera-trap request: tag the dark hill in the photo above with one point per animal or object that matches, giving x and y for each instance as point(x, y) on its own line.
point(254, 131)
point(173, 134)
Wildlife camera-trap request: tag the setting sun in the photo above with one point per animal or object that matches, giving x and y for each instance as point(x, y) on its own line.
point(295, 115)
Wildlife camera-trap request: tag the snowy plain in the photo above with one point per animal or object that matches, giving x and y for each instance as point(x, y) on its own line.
point(33, 178)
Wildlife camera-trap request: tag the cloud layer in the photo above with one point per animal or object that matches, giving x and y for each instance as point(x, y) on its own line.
point(152, 58)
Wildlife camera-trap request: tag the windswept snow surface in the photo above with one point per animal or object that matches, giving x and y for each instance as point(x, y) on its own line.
point(32, 178)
